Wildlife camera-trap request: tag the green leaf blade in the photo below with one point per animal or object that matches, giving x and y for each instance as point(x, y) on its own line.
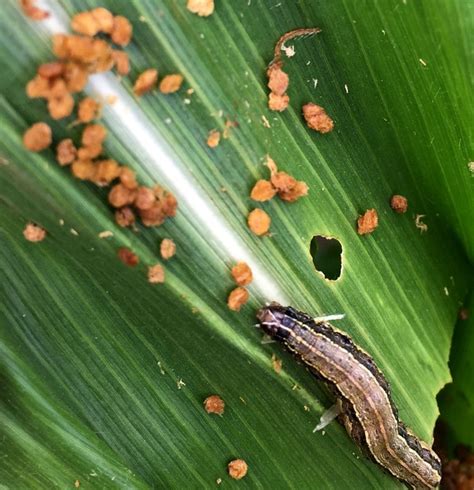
point(99, 329)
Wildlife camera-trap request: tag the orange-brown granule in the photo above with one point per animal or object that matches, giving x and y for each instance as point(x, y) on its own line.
point(88, 110)
point(121, 31)
point(52, 69)
point(83, 169)
point(164, 207)
point(289, 189)
point(171, 83)
point(95, 54)
point(106, 171)
point(242, 274)
point(125, 216)
point(93, 21)
point(156, 274)
point(282, 181)
point(128, 178)
point(104, 18)
point(300, 189)
point(159, 214)
point(367, 222)
point(167, 248)
point(237, 469)
point(214, 404)
point(60, 45)
point(145, 198)
point(92, 139)
point(153, 216)
point(203, 8)
point(278, 80)
point(38, 87)
point(93, 134)
point(104, 60)
point(262, 191)
point(317, 119)
point(61, 107)
point(57, 88)
point(121, 61)
point(89, 152)
point(75, 77)
point(32, 11)
point(85, 23)
point(399, 203)
point(213, 138)
point(34, 233)
point(37, 137)
point(278, 102)
point(276, 364)
point(167, 200)
point(170, 205)
point(120, 196)
point(128, 257)
point(65, 152)
point(259, 221)
point(145, 82)
point(237, 298)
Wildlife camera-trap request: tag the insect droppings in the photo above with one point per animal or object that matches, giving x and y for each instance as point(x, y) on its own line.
point(214, 404)
point(237, 469)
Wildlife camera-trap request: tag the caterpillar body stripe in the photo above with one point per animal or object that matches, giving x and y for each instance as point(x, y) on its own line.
point(368, 411)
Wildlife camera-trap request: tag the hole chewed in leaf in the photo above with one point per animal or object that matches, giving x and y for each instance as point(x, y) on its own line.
point(327, 256)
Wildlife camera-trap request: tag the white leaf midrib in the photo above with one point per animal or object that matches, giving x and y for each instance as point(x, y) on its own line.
point(126, 116)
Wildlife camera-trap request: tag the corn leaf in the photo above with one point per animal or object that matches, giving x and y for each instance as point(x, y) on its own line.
point(103, 374)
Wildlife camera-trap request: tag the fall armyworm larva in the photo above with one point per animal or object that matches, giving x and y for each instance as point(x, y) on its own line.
point(368, 411)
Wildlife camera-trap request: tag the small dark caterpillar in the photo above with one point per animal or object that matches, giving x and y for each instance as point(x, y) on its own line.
point(369, 414)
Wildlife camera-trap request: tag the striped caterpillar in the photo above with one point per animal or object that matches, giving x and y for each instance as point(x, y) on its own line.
point(368, 412)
